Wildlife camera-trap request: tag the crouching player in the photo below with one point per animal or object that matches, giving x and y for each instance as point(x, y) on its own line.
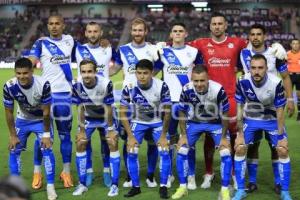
point(205, 104)
point(94, 95)
point(260, 98)
point(33, 95)
point(148, 97)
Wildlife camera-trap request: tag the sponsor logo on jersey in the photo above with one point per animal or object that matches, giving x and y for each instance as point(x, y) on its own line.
point(176, 69)
point(230, 45)
point(219, 62)
point(59, 59)
point(100, 68)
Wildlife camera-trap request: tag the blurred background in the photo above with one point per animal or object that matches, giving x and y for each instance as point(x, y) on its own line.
point(24, 21)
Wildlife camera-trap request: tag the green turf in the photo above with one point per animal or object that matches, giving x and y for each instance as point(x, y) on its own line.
point(98, 191)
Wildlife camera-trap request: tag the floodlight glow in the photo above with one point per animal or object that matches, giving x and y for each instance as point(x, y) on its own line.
point(199, 4)
point(155, 6)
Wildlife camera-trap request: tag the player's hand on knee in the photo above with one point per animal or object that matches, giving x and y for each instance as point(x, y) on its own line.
point(112, 137)
point(163, 143)
point(182, 141)
point(131, 144)
point(224, 144)
point(46, 142)
point(81, 138)
point(239, 141)
point(13, 141)
point(282, 147)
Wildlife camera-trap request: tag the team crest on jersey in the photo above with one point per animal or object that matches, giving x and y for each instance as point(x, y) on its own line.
point(210, 51)
point(170, 57)
point(188, 54)
point(36, 97)
point(230, 45)
point(100, 93)
point(67, 43)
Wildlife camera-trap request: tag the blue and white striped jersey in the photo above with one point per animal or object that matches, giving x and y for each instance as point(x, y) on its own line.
point(55, 57)
point(30, 99)
point(94, 99)
point(204, 107)
point(260, 102)
point(146, 105)
point(177, 69)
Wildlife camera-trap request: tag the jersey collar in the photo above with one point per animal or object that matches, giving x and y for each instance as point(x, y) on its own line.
point(216, 42)
point(147, 87)
point(262, 83)
point(93, 86)
point(137, 46)
point(26, 87)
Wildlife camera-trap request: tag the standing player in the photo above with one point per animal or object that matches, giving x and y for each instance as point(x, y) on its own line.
point(220, 54)
point(94, 95)
point(293, 60)
point(149, 98)
point(261, 101)
point(129, 55)
point(102, 57)
point(257, 37)
point(54, 53)
point(33, 95)
point(178, 60)
point(205, 104)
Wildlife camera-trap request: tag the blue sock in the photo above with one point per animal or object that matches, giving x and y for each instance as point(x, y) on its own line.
point(89, 151)
point(240, 169)
point(152, 155)
point(165, 167)
point(65, 147)
point(275, 166)
point(105, 153)
point(81, 158)
point(133, 168)
point(285, 173)
point(115, 167)
point(37, 153)
point(49, 162)
point(226, 166)
point(252, 165)
point(15, 162)
point(171, 155)
point(182, 164)
point(192, 161)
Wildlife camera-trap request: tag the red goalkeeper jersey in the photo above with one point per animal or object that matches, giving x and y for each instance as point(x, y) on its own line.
point(221, 59)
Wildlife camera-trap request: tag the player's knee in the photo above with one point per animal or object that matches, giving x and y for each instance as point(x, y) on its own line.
point(183, 150)
point(283, 152)
point(241, 150)
point(81, 145)
point(112, 144)
point(224, 152)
